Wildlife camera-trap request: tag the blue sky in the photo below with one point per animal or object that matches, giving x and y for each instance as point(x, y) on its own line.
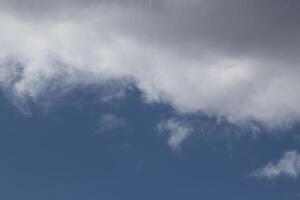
point(149, 99)
point(61, 154)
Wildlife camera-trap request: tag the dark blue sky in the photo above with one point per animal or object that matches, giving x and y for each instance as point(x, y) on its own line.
point(58, 154)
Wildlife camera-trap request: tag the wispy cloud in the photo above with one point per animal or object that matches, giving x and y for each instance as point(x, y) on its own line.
point(177, 132)
point(110, 122)
point(288, 165)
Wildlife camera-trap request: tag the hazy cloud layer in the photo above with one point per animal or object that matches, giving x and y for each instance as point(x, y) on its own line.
point(236, 58)
point(288, 165)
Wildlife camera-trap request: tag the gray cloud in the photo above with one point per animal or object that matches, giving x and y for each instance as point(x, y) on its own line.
point(237, 58)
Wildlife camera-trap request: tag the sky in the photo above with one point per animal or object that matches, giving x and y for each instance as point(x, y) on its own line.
point(149, 99)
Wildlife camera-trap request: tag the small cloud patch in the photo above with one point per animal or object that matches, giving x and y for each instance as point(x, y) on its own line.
point(177, 132)
point(110, 122)
point(288, 166)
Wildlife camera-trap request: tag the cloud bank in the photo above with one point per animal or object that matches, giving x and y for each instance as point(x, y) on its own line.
point(288, 165)
point(236, 59)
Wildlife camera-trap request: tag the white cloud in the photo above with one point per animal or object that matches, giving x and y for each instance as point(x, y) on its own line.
point(288, 165)
point(178, 53)
point(177, 131)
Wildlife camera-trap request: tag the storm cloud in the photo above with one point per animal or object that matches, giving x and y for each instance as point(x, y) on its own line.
point(237, 59)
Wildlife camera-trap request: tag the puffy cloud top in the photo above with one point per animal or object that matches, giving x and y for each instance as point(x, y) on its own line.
point(238, 58)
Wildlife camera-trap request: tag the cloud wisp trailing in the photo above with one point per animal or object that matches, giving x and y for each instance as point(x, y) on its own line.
point(288, 165)
point(236, 59)
point(177, 132)
point(110, 122)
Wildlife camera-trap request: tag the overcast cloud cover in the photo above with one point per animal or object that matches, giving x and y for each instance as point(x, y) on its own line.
point(235, 58)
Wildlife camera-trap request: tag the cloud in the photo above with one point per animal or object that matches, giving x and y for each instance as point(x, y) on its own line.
point(236, 59)
point(177, 131)
point(110, 122)
point(288, 165)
